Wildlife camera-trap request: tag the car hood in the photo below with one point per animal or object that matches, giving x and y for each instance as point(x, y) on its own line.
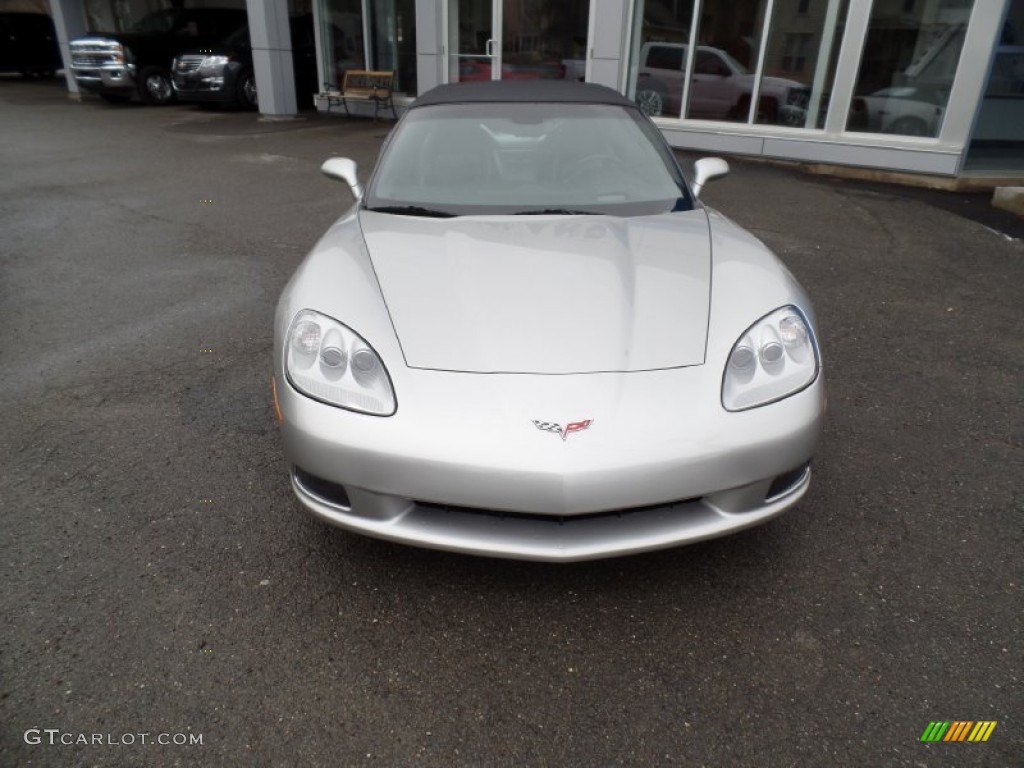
point(545, 294)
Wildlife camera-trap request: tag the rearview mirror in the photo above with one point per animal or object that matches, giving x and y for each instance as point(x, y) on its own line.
point(343, 169)
point(706, 169)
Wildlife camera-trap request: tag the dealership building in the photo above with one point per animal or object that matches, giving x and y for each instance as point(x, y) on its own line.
point(918, 86)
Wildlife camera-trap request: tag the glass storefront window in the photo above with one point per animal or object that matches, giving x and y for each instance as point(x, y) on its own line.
point(389, 42)
point(341, 38)
point(393, 36)
point(729, 42)
point(800, 61)
point(661, 31)
point(910, 58)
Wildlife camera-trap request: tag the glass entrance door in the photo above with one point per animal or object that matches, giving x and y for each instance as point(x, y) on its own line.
point(517, 39)
point(544, 40)
point(473, 40)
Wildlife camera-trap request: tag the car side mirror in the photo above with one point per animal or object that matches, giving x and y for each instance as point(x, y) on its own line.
point(344, 169)
point(706, 169)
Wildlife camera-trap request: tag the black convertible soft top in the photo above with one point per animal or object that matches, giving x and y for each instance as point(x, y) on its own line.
point(532, 91)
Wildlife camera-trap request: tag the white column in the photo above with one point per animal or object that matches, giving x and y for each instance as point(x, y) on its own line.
point(847, 67)
point(272, 56)
point(318, 41)
point(610, 31)
point(828, 36)
point(431, 45)
point(69, 20)
point(968, 91)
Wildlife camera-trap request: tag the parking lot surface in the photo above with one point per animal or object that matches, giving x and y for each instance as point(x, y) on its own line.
point(160, 579)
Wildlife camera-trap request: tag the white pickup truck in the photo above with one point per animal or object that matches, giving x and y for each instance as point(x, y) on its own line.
point(720, 90)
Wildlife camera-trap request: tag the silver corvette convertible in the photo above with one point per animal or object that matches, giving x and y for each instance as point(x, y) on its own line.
point(528, 339)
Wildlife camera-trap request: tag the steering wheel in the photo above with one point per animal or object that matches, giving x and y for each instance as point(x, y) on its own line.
point(593, 163)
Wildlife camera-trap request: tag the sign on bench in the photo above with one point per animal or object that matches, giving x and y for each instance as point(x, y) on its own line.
point(364, 85)
point(359, 80)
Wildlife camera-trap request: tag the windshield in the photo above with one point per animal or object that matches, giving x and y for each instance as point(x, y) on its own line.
point(239, 38)
point(156, 23)
point(466, 159)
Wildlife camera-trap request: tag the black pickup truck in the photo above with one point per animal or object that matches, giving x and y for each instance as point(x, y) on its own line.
point(137, 62)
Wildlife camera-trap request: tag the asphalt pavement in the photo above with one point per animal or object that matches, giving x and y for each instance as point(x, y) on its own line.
point(160, 579)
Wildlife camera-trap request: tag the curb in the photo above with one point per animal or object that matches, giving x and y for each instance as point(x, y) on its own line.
point(1009, 199)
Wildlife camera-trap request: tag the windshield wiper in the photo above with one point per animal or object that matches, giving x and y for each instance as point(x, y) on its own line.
point(555, 212)
point(412, 210)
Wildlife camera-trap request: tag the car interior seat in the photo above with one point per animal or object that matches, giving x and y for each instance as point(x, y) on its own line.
point(459, 155)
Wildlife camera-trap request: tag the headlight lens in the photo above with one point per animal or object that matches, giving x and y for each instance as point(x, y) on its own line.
point(212, 65)
point(332, 363)
point(775, 357)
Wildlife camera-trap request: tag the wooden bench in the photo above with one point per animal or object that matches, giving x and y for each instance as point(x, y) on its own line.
point(363, 85)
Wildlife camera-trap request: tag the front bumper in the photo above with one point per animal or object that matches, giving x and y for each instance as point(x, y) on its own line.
point(546, 538)
point(109, 78)
point(643, 477)
point(193, 87)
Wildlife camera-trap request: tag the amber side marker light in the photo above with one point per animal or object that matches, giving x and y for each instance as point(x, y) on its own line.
point(278, 416)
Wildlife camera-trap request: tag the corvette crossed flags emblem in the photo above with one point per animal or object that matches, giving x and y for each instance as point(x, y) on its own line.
point(550, 426)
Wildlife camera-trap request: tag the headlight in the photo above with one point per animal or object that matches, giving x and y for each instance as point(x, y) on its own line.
point(212, 65)
point(332, 363)
point(775, 358)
